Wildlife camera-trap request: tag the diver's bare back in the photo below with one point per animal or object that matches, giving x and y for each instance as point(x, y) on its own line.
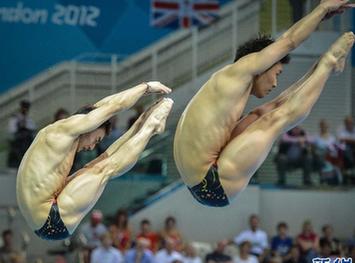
point(43, 172)
point(211, 129)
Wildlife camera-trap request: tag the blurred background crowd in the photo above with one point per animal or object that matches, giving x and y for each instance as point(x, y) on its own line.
point(113, 240)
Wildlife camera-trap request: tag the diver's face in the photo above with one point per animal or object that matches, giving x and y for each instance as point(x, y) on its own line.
point(89, 140)
point(267, 81)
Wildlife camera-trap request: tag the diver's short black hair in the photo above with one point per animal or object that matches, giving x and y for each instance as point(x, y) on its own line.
point(107, 125)
point(255, 45)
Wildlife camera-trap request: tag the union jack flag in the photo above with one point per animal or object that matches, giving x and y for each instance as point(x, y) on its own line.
point(183, 13)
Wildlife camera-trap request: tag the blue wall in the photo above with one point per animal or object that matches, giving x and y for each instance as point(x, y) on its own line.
point(36, 34)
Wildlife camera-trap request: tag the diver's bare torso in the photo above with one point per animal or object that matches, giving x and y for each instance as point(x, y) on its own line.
point(213, 130)
point(43, 173)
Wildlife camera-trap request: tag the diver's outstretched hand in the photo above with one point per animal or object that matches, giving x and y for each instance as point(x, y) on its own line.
point(335, 7)
point(157, 87)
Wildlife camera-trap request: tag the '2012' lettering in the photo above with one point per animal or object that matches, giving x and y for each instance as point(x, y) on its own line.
point(75, 15)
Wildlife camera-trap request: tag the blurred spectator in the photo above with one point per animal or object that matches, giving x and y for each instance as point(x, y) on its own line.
point(168, 254)
point(141, 253)
point(21, 120)
point(60, 114)
point(120, 231)
point(106, 253)
point(328, 238)
point(351, 241)
point(244, 254)
point(256, 236)
point(150, 235)
point(293, 256)
point(7, 251)
point(346, 135)
point(21, 131)
point(139, 110)
point(282, 243)
point(112, 137)
point(297, 9)
point(92, 231)
point(294, 152)
point(218, 255)
point(171, 231)
point(325, 250)
point(191, 255)
point(328, 155)
point(308, 242)
point(352, 253)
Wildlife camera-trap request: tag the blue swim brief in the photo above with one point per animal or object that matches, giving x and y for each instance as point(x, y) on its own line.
point(54, 228)
point(210, 191)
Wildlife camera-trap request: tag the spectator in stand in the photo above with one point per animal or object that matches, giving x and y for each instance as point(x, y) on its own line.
point(328, 155)
point(293, 256)
point(8, 251)
point(352, 253)
point(150, 235)
point(106, 253)
point(61, 114)
point(294, 152)
point(328, 238)
point(21, 130)
point(120, 231)
point(325, 250)
point(244, 254)
point(168, 254)
point(282, 243)
point(191, 255)
point(346, 135)
point(255, 235)
point(351, 241)
point(297, 9)
point(218, 255)
point(21, 119)
point(140, 253)
point(308, 242)
point(171, 231)
point(92, 232)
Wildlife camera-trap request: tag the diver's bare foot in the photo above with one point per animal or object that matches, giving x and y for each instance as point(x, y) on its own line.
point(159, 114)
point(145, 115)
point(336, 55)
